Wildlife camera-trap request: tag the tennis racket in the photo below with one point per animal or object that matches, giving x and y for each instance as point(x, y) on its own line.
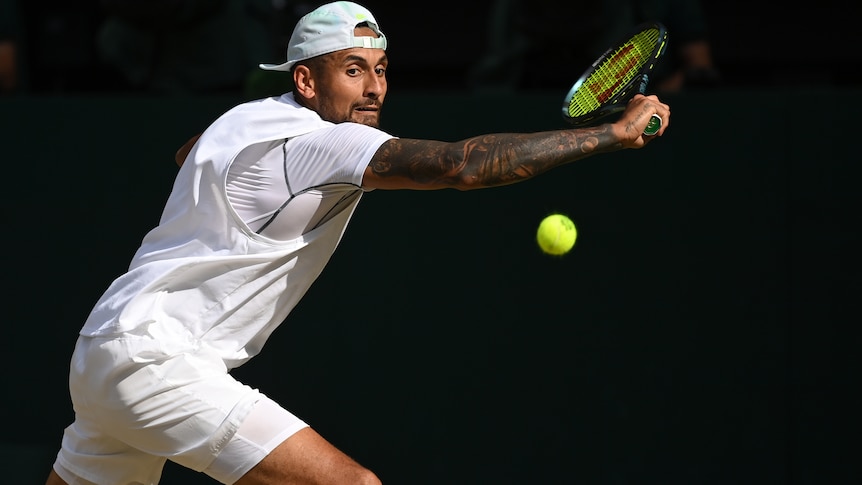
point(616, 76)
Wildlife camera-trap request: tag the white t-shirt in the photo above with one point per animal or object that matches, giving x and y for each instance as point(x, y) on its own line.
point(256, 212)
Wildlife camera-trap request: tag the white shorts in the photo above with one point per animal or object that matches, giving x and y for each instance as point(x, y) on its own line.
point(135, 409)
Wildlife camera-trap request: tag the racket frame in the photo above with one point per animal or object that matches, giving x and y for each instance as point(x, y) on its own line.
point(638, 84)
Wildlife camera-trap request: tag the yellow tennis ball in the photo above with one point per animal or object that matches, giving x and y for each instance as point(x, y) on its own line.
point(556, 234)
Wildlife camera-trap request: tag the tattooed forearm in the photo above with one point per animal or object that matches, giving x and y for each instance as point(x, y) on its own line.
point(485, 161)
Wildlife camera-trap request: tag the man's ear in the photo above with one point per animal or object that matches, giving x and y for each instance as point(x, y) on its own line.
point(303, 81)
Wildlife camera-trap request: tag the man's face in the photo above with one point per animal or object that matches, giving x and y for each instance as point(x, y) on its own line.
point(349, 85)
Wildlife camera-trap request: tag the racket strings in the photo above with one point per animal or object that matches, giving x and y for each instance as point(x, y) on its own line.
point(613, 74)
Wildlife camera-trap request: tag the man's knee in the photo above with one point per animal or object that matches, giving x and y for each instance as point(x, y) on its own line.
point(367, 477)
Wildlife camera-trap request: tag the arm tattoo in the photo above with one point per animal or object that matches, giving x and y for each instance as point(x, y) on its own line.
point(487, 160)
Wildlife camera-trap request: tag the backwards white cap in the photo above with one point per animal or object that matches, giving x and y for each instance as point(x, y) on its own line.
point(326, 29)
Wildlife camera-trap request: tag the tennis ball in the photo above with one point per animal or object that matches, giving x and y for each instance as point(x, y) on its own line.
point(556, 234)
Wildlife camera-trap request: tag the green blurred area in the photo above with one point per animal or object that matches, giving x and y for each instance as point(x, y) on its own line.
point(701, 330)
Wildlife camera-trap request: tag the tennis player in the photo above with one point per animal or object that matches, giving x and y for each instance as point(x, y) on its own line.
point(259, 204)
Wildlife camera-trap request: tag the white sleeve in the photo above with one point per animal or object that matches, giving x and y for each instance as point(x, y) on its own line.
point(337, 154)
point(284, 185)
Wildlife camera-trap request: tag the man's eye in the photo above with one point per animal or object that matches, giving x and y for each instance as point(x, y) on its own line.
point(353, 72)
point(380, 71)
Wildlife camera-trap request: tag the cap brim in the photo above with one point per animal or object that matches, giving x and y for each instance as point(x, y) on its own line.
point(278, 67)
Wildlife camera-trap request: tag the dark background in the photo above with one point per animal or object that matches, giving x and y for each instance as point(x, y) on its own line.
point(437, 47)
point(703, 330)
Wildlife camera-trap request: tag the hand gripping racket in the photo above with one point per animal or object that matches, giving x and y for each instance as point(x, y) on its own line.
point(614, 78)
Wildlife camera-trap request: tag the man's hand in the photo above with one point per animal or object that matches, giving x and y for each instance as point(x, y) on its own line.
point(184, 150)
point(631, 124)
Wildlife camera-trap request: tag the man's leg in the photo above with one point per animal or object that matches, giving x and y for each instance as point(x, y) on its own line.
point(54, 479)
point(307, 458)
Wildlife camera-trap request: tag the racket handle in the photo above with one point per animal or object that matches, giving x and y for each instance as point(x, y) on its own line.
point(653, 126)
